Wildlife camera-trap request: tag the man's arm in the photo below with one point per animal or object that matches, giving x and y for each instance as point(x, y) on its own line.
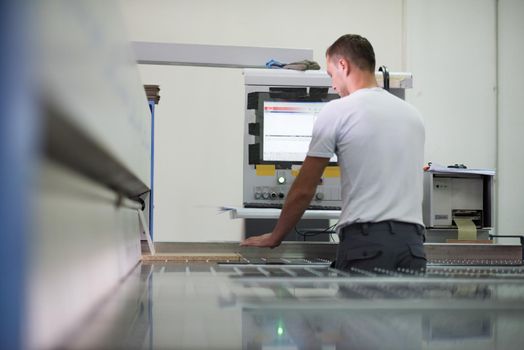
point(297, 201)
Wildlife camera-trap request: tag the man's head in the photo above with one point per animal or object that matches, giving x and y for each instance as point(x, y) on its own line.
point(348, 54)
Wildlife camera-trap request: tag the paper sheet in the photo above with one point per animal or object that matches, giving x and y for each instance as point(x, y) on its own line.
point(466, 229)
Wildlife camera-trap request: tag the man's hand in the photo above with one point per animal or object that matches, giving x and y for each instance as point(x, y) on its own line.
point(263, 241)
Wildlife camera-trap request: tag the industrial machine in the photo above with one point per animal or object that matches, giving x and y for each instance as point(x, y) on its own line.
point(281, 107)
point(452, 195)
point(308, 306)
point(456, 200)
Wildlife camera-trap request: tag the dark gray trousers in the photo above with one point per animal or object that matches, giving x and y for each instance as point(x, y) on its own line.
point(388, 245)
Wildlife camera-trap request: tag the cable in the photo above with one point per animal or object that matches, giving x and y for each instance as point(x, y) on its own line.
point(313, 232)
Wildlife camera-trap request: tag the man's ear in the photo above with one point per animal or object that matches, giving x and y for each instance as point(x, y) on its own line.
point(344, 65)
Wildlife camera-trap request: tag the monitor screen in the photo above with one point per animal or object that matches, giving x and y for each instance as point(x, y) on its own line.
point(287, 130)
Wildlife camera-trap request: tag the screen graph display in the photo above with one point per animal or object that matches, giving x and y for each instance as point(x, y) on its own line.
point(287, 130)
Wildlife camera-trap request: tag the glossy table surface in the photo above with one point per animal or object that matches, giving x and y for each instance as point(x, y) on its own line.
point(306, 305)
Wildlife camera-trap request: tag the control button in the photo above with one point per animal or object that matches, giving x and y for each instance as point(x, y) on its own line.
point(319, 196)
point(258, 195)
point(281, 195)
point(273, 195)
point(281, 180)
point(265, 195)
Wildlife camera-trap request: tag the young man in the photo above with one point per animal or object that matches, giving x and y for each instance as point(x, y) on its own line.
point(379, 142)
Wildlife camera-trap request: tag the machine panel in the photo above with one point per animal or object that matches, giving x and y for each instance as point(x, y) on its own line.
point(279, 118)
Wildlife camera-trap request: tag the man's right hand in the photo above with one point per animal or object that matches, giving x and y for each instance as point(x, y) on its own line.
point(262, 241)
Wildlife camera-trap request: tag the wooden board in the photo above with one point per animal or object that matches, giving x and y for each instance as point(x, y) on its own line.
point(191, 257)
point(481, 241)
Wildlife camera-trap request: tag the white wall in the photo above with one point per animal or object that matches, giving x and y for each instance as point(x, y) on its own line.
point(198, 158)
point(451, 52)
point(272, 23)
point(511, 117)
point(449, 45)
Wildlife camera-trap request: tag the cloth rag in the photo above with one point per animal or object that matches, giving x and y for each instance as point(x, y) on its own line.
point(303, 65)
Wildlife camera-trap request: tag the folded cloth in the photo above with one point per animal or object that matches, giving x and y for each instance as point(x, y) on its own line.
point(303, 65)
point(274, 64)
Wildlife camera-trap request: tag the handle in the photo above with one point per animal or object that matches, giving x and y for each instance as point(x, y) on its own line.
point(385, 74)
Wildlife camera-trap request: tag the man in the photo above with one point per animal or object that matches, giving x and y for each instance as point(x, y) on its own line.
point(379, 142)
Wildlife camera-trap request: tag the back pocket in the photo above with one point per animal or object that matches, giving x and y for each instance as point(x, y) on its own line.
point(363, 253)
point(417, 250)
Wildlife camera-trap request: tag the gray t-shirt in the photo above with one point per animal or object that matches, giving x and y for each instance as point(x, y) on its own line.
point(379, 142)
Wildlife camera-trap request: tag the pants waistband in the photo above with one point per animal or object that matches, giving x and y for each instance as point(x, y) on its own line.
point(393, 226)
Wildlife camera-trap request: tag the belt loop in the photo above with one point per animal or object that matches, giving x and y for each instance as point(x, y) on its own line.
point(422, 232)
point(391, 227)
point(364, 229)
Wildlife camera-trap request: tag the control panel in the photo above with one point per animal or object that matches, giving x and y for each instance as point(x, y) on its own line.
point(281, 108)
point(272, 191)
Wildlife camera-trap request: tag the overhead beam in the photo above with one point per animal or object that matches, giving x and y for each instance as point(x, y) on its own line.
point(214, 55)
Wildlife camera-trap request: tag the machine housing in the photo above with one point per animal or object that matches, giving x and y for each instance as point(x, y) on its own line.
point(457, 195)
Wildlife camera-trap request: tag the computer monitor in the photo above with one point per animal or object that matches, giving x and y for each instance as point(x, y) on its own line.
point(286, 130)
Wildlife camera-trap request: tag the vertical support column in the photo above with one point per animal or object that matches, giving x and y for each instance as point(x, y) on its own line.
point(152, 193)
point(18, 165)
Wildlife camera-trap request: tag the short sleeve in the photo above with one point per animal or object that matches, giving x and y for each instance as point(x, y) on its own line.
point(324, 136)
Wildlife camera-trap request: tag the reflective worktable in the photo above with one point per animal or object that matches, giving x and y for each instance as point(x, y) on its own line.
point(304, 304)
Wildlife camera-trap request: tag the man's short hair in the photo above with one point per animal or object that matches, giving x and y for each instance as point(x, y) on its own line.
point(355, 49)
